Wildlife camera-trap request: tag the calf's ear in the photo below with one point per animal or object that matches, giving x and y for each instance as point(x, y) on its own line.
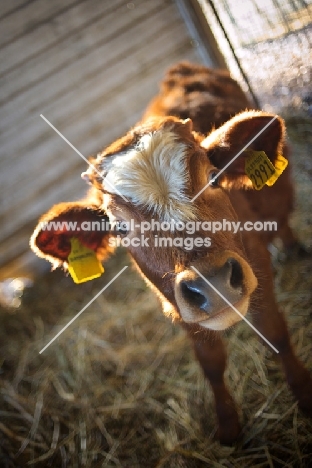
point(81, 220)
point(252, 130)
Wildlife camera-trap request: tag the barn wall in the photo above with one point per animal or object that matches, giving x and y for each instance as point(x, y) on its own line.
point(90, 67)
point(272, 42)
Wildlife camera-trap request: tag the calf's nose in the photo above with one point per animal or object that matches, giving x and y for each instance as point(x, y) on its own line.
point(228, 280)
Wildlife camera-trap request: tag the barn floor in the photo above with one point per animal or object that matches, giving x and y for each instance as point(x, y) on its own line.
point(120, 387)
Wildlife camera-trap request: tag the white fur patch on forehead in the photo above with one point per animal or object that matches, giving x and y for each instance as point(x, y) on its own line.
point(154, 175)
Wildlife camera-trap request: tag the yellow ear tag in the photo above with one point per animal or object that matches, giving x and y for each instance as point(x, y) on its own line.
point(83, 264)
point(259, 168)
point(280, 165)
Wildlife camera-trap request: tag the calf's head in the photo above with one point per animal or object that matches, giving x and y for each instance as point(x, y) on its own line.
point(145, 185)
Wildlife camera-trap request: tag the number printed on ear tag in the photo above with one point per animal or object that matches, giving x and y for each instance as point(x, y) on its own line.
point(83, 264)
point(259, 168)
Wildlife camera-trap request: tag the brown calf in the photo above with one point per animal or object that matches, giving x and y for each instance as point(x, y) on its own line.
point(159, 168)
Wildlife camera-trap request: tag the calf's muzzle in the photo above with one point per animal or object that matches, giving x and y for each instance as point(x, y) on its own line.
point(204, 294)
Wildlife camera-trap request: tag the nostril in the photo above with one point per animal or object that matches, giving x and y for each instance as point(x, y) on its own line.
point(193, 295)
point(236, 276)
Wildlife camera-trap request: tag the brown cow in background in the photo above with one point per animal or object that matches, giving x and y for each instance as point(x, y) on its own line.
point(210, 98)
point(155, 172)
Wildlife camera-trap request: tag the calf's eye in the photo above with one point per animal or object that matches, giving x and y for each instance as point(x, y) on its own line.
point(213, 179)
point(122, 228)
